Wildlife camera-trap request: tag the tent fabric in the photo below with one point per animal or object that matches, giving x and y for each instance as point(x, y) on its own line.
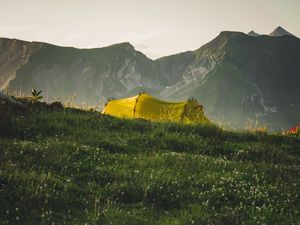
point(147, 107)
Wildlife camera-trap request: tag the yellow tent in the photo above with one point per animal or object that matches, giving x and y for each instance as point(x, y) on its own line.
point(147, 107)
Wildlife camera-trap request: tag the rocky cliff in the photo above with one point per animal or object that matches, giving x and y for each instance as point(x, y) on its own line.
point(13, 54)
point(87, 75)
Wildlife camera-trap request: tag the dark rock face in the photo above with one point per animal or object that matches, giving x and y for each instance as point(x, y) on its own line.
point(13, 54)
point(6, 100)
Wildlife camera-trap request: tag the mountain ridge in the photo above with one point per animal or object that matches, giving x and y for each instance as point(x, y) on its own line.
point(212, 73)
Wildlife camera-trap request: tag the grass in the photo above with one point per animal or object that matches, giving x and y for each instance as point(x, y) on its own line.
point(77, 167)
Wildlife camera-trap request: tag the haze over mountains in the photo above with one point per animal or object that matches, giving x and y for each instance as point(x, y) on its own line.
point(237, 77)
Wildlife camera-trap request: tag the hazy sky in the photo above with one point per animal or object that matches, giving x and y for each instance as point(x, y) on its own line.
point(155, 27)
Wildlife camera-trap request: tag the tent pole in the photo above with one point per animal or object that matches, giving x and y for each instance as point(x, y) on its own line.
point(183, 112)
point(136, 103)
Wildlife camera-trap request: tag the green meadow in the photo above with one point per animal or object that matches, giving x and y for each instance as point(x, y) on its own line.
point(80, 167)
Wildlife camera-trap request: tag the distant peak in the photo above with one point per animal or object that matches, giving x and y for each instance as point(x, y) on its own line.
point(127, 46)
point(279, 31)
point(123, 45)
point(253, 33)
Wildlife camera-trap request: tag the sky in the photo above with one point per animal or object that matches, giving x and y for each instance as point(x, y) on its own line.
point(155, 27)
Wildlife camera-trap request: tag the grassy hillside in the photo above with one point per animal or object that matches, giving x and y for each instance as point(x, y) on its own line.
point(77, 167)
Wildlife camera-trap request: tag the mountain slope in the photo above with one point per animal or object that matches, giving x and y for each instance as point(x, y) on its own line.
point(88, 74)
point(240, 78)
point(13, 54)
point(172, 67)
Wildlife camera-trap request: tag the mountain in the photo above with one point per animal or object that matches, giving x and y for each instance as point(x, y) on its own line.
point(240, 78)
point(279, 31)
point(252, 33)
point(236, 77)
point(87, 75)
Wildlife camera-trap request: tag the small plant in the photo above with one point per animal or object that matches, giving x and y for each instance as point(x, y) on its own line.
point(36, 96)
